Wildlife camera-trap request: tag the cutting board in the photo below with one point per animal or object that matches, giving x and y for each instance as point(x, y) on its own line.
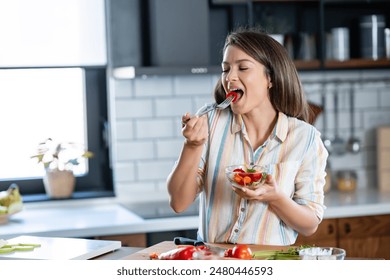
point(60, 248)
point(383, 158)
point(169, 245)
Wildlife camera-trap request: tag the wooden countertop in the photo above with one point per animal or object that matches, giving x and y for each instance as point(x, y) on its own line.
point(169, 245)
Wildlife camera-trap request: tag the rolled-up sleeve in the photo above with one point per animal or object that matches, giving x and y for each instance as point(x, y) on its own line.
point(310, 180)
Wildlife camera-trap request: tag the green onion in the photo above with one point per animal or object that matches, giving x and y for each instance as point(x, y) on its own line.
point(289, 254)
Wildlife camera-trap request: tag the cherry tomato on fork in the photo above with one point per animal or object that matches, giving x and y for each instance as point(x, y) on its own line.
point(235, 96)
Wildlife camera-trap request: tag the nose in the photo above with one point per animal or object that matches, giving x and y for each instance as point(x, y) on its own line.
point(231, 76)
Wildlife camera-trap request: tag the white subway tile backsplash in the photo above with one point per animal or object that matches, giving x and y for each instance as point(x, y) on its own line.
point(169, 148)
point(124, 130)
point(384, 97)
point(376, 118)
point(134, 150)
point(154, 128)
point(135, 192)
point(366, 98)
point(125, 172)
point(376, 74)
point(154, 170)
point(199, 102)
point(193, 85)
point(347, 161)
point(133, 108)
point(173, 107)
point(155, 86)
point(124, 88)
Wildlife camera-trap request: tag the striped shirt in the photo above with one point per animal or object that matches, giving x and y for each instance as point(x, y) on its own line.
point(296, 158)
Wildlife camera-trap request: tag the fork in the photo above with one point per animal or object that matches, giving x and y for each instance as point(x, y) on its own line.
point(212, 106)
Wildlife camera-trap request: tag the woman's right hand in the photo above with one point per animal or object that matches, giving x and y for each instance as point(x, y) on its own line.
point(195, 129)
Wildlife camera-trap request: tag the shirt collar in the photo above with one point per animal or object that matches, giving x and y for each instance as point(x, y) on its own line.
point(280, 130)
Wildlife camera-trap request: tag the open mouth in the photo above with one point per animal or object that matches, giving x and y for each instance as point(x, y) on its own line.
point(237, 94)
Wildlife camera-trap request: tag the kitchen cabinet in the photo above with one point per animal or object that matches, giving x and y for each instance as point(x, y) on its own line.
point(314, 19)
point(365, 237)
point(155, 37)
point(326, 235)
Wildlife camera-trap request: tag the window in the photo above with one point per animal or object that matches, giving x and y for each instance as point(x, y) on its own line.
point(53, 85)
point(66, 104)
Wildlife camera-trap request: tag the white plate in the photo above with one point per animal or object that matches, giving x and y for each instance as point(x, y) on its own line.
point(60, 248)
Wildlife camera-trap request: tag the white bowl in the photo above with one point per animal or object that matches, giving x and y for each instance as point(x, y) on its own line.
point(322, 253)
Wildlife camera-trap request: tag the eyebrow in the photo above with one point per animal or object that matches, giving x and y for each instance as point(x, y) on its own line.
point(238, 61)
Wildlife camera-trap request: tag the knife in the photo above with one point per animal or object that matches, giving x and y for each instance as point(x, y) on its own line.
point(188, 241)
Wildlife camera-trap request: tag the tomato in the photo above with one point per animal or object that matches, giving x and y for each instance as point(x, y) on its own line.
point(235, 96)
point(256, 177)
point(184, 252)
point(228, 253)
point(239, 170)
point(242, 251)
point(180, 253)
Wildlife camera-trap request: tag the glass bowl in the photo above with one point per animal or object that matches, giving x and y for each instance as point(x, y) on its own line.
point(246, 175)
point(322, 253)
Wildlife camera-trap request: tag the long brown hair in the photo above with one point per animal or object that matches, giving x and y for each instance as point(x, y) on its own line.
point(286, 93)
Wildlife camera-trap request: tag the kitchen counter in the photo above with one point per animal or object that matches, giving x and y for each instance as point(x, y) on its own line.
point(103, 217)
point(362, 202)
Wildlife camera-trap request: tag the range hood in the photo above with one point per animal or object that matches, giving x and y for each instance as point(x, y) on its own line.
point(131, 72)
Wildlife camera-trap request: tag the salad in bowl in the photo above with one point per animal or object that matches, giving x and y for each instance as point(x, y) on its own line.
point(246, 175)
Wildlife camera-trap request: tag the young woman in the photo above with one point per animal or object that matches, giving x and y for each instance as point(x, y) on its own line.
point(266, 125)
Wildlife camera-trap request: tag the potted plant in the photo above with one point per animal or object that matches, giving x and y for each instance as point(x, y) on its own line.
point(59, 160)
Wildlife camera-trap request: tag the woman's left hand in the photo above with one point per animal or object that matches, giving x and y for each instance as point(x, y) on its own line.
point(267, 192)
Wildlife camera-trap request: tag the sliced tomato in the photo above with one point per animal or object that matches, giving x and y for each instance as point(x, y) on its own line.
point(228, 253)
point(239, 170)
point(256, 177)
point(235, 96)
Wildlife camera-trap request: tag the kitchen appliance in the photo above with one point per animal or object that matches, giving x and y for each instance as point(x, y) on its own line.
point(340, 43)
point(60, 248)
point(387, 42)
point(338, 144)
point(346, 180)
point(372, 32)
point(353, 144)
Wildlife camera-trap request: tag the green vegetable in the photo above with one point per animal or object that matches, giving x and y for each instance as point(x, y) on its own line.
point(6, 250)
point(289, 254)
point(9, 248)
point(251, 170)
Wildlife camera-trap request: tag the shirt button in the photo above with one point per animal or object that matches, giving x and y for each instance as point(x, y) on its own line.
point(236, 230)
point(242, 209)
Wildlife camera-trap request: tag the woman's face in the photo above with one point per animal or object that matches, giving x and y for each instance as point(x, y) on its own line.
point(246, 76)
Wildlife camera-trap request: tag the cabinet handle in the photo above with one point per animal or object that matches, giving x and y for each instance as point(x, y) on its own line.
point(330, 229)
point(347, 228)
